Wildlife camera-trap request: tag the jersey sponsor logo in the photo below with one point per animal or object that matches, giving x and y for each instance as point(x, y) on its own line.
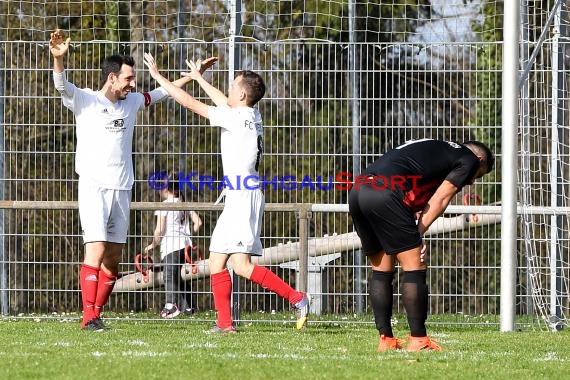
point(117, 126)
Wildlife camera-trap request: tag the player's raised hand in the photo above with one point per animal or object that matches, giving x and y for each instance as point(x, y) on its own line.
point(57, 46)
point(149, 62)
point(195, 69)
point(207, 63)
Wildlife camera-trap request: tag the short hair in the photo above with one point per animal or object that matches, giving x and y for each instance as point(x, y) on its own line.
point(481, 148)
point(253, 85)
point(113, 64)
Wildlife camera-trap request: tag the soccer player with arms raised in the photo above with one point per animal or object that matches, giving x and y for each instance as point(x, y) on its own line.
point(237, 233)
point(105, 124)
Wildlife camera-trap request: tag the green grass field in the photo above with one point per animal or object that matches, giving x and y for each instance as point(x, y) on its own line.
point(55, 348)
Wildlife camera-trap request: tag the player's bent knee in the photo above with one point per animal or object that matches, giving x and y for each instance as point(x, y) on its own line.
point(414, 267)
point(243, 270)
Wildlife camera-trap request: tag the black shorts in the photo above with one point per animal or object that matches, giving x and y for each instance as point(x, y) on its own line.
point(383, 221)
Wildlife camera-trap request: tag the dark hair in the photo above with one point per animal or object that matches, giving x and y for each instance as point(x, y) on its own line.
point(113, 64)
point(174, 188)
point(253, 85)
point(174, 185)
point(483, 149)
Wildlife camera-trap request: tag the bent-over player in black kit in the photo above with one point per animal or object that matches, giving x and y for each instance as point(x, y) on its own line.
point(418, 177)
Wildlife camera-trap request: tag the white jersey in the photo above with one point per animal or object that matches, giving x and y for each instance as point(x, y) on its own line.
point(241, 143)
point(177, 233)
point(104, 132)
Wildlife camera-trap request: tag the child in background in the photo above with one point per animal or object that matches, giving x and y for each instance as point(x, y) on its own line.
point(173, 233)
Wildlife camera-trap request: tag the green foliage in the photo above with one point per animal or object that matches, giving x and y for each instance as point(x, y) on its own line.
point(294, 19)
point(487, 89)
point(135, 349)
point(112, 20)
point(328, 20)
point(488, 94)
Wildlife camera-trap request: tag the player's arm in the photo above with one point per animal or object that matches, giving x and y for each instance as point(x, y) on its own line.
point(196, 221)
point(204, 65)
point(195, 73)
point(159, 94)
point(58, 49)
point(436, 205)
point(177, 93)
point(158, 233)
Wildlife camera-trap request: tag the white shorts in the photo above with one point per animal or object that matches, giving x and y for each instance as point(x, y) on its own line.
point(238, 229)
point(104, 213)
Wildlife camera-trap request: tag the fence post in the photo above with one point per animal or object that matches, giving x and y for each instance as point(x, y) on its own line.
point(304, 214)
point(509, 165)
point(234, 61)
point(4, 283)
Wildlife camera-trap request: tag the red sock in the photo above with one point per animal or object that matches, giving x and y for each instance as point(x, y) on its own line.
point(269, 280)
point(104, 289)
point(88, 280)
point(222, 291)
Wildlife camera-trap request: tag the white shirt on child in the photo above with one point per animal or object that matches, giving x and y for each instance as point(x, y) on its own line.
point(177, 233)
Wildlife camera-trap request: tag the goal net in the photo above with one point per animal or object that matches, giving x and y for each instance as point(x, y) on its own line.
point(545, 160)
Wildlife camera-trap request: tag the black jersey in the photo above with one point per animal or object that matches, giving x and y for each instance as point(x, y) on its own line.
point(425, 164)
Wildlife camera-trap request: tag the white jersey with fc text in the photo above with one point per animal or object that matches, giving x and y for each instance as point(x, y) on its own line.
point(241, 144)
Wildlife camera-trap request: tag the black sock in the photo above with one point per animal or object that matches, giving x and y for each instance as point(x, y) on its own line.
point(381, 297)
point(415, 299)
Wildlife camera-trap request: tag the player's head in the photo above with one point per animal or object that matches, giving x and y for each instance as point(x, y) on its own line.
point(486, 157)
point(247, 88)
point(119, 73)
